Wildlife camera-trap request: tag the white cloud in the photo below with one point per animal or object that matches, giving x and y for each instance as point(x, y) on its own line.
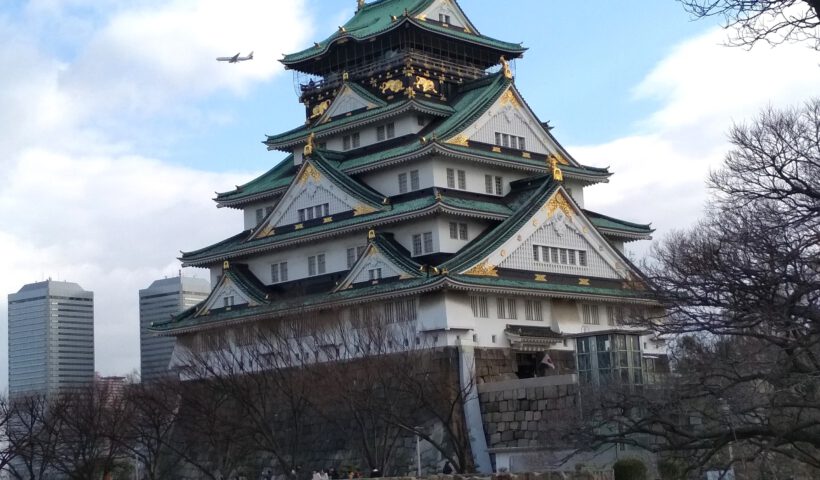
point(704, 87)
point(83, 205)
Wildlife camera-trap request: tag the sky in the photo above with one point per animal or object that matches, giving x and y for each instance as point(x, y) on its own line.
point(117, 125)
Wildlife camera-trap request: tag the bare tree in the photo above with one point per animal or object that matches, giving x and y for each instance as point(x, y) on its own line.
point(742, 292)
point(154, 415)
point(772, 21)
point(33, 437)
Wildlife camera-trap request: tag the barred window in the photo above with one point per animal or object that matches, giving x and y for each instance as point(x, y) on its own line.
point(451, 178)
point(462, 180)
point(506, 308)
point(416, 244)
point(375, 273)
point(402, 183)
point(590, 314)
point(479, 306)
point(532, 310)
point(454, 230)
point(488, 184)
point(499, 185)
point(462, 231)
point(614, 315)
point(428, 242)
point(279, 272)
point(414, 180)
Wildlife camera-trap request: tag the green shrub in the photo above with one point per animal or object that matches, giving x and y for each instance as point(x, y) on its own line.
point(629, 469)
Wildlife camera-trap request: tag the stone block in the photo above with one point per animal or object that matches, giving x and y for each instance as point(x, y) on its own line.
point(539, 393)
point(536, 415)
point(495, 438)
point(533, 426)
point(513, 425)
point(501, 426)
point(528, 415)
point(521, 393)
point(507, 436)
point(531, 393)
point(508, 416)
point(519, 434)
point(508, 394)
point(519, 416)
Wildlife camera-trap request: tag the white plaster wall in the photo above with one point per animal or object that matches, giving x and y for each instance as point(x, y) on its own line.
point(249, 213)
point(576, 191)
point(475, 173)
point(404, 232)
point(386, 181)
point(335, 251)
point(450, 245)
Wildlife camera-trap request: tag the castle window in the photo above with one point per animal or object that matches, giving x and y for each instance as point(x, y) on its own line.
point(316, 265)
point(350, 141)
point(279, 272)
point(532, 310)
point(451, 178)
point(375, 273)
point(416, 244)
point(462, 180)
point(428, 242)
point(462, 231)
point(414, 180)
point(510, 141)
point(454, 230)
point(354, 254)
point(402, 183)
point(499, 186)
point(384, 132)
point(227, 302)
point(614, 315)
point(590, 314)
point(444, 18)
point(506, 308)
point(479, 306)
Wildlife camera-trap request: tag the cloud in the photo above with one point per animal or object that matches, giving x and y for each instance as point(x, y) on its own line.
point(704, 88)
point(82, 202)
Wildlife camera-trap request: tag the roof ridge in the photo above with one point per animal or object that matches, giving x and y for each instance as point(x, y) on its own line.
point(618, 220)
point(354, 187)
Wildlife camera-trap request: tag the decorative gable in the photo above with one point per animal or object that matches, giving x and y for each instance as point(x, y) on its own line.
point(312, 195)
point(381, 260)
point(227, 294)
point(348, 100)
point(448, 13)
point(557, 239)
point(506, 122)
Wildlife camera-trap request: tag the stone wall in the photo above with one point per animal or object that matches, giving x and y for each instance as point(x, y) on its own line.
point(526, 413)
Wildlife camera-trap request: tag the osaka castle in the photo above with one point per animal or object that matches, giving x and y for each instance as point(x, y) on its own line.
point(422, 188)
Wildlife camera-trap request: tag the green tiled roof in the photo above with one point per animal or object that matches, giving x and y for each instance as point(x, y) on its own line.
point(246, 280)
point(476, 250)
point(396, 253)
point(610, 223)
point(376, 18)
point(300, 133)
point(277, 177)
point(293, 305)
point(239, 244)
point(355, 189)
point(513, 283)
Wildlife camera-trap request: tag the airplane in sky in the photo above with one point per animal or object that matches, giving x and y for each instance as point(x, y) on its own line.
point(236, 58)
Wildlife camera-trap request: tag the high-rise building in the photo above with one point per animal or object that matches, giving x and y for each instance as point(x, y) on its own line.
point(51, 337)
point(158, 303)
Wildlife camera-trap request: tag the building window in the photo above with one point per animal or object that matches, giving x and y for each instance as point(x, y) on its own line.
point(354, 254)
point(606, 358)
point(317, 211)
point(506, 308)
point(227, 302)
point(444, 18)
point(532, 310)
point(488, 184)
point(428, 242)
point(590, 314)
point(462, 180)
point(510, 141)
point(451, 178)
point(402, 183)
point(614, 315)
point(462, 231)
point(316, 265)
point(479, 305)
point(416, 245)
point(499, 186)
point(350, 141)
point(414, 180)
point(562, 256)
point(279, 272)
point(454, 230)
point(375, 273)
point(260, 215)
point(385, 132)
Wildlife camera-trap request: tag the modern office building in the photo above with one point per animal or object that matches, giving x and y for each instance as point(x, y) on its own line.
point(158, 303)
point(51, 337)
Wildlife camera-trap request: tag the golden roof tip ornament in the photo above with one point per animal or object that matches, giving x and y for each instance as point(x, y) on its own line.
point(359, 5)
point(345, 76)
point(371, 234)
point(557, 174)
point(505, 65)
point(308, 150)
